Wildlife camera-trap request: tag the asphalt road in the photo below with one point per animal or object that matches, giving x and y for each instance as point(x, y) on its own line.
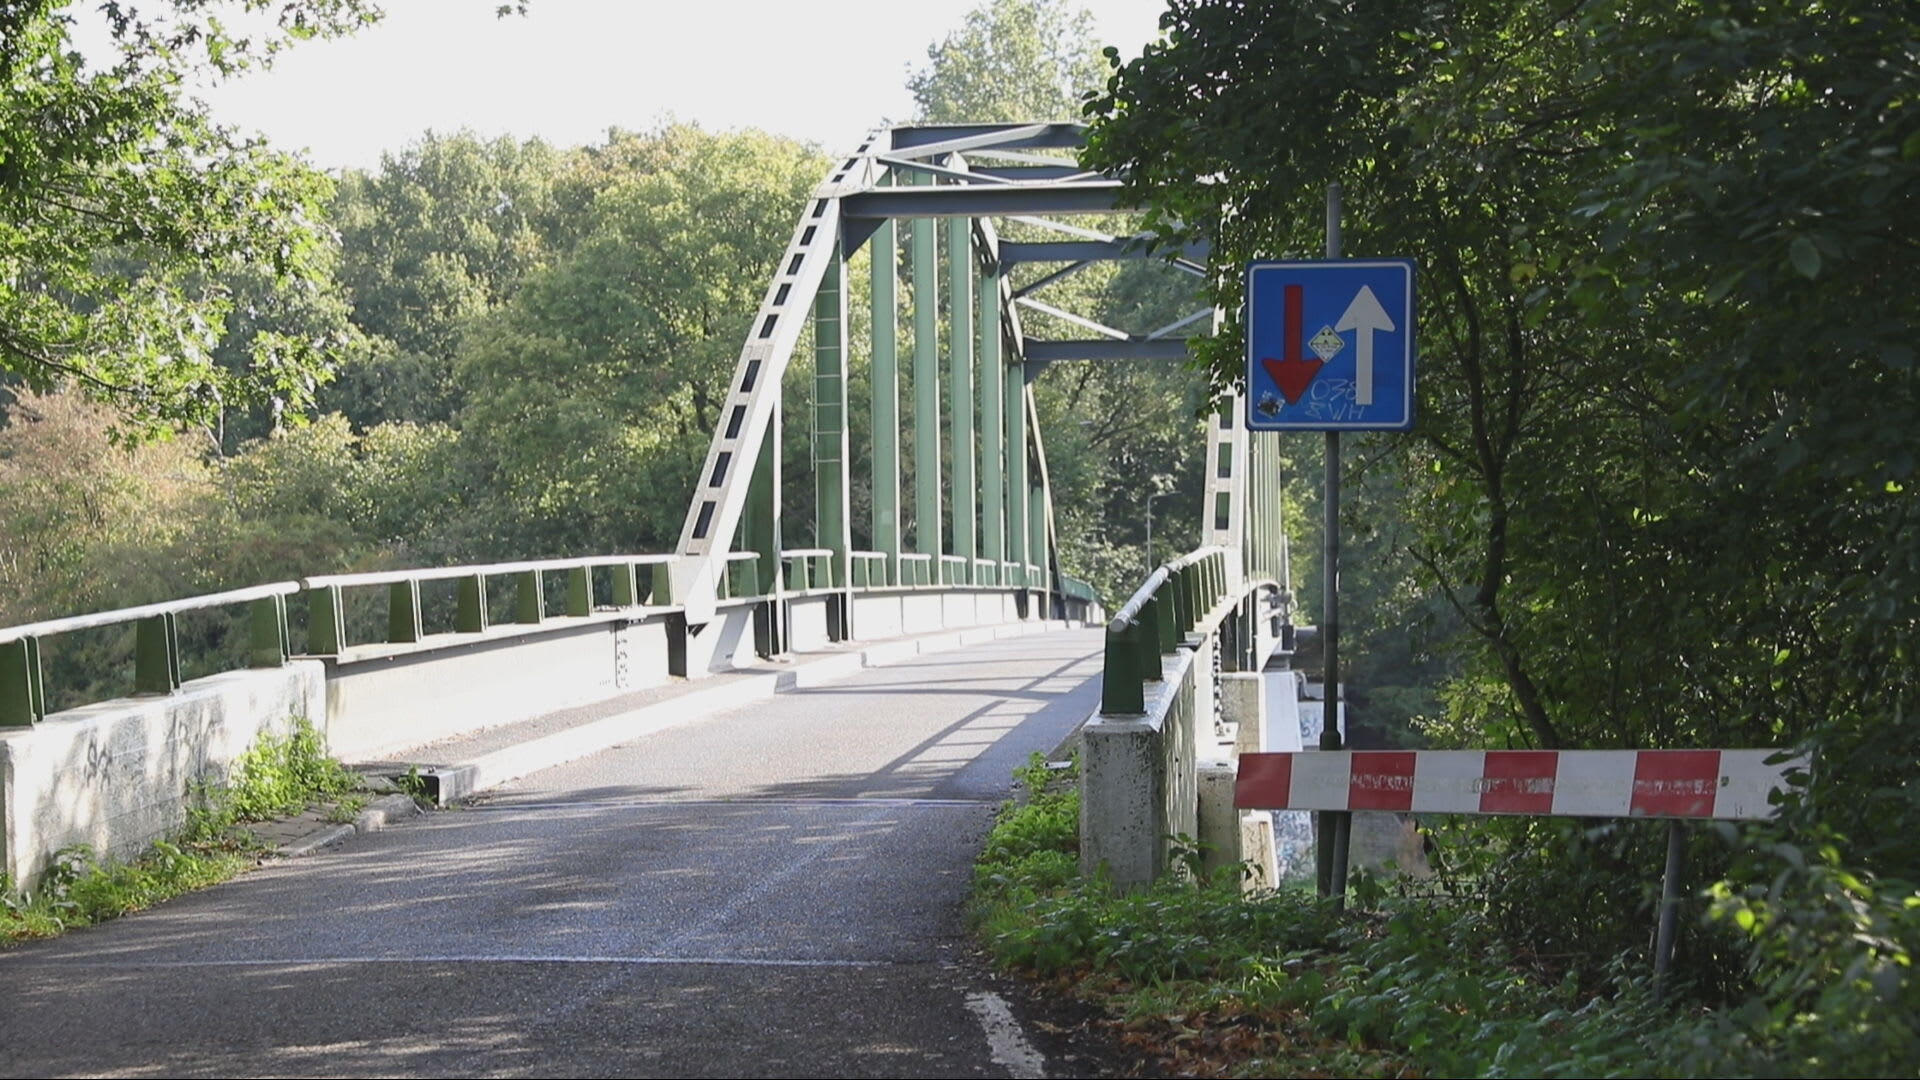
point(773, 891)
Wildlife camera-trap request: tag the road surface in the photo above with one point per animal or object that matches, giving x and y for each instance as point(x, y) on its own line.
point(775, 890)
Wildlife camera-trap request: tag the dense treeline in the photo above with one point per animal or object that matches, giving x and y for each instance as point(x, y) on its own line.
point(527, 345)
point(1661, 492)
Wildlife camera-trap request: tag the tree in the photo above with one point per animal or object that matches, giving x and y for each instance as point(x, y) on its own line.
point(440, 234)
point(593, 391)
point(124, 210)
point(1610, 298)
point(1011, 61)
point(1663, 472)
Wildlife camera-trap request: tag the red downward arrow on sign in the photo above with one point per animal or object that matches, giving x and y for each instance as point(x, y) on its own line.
point(1294, 373)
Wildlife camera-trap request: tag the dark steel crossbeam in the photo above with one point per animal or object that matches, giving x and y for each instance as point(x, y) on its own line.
point(1027, 173)
point(1124, 247)
point(1041, 353)
point(1017, 136)
point(998, 200)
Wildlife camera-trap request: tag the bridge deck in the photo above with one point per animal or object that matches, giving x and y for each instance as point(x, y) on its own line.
point(773, 890)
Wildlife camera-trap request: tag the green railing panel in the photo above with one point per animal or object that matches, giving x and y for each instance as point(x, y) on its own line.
point(1167, 621)
point(743, 577)
point(626, 586)
point(1122, 687)
point(1155, 621)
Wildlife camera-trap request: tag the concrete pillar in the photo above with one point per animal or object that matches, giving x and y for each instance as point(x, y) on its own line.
point(1231, 837)
point(1243, 705)
point(1137, 784)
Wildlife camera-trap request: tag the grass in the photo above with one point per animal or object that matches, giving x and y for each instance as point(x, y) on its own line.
point(277, 777)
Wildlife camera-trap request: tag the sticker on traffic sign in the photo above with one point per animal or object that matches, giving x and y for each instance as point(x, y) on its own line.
point(1330, 345)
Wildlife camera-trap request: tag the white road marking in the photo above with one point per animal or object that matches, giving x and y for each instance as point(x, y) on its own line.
point(481, 958)
point(1007, 1043)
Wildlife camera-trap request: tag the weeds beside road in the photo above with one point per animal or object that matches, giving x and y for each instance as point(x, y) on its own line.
point(277, 777)
point(1216, 983)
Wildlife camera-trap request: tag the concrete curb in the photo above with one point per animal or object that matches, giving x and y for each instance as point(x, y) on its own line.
point(511, 763)
point(372, 818)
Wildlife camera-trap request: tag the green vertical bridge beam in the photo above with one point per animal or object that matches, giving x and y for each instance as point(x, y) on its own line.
point(1015, 387)
point(760, 525)
point(993, 376)
point(326, 622)
point(886, 402)
point(960, 275)
point(832, 526)
point(927, 513)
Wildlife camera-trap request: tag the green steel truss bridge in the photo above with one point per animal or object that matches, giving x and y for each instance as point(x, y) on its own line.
point(989, 523)
point(375, 653)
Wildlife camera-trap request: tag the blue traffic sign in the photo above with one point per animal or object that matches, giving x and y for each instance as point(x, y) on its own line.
point(1330, 345)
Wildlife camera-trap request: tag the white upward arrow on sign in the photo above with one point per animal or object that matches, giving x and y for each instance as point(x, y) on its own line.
point(1364, 315)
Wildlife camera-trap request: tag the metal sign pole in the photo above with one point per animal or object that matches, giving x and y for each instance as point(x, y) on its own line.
point(1335, 826)
point(1669, 906)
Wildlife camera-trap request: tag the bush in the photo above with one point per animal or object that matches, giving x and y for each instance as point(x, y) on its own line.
point(280, 775)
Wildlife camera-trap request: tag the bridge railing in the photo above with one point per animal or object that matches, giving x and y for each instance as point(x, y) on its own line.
point(631, 583)
point(1153, 621)
point(1181, 692)
point(535, 592)
point(156, 652)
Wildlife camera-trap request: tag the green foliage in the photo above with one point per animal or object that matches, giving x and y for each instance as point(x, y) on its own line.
point(594, 391)
point(1464, 978)
point(276, 777)
point(1661, 487)
point(1011, 61)
point(415, 786)
point(1832, 949)
point(280, 774)
point(1035, 840)
point(1615, 385)
point(443, 232)
point(80, 889)
point(124, 211)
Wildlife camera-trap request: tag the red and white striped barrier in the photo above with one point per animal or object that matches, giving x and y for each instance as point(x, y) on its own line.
point(1571, 783)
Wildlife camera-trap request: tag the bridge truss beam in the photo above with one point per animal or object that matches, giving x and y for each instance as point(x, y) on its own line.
point(981, 513)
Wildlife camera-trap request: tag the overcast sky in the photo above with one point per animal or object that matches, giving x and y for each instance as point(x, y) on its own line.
point(821, 70)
